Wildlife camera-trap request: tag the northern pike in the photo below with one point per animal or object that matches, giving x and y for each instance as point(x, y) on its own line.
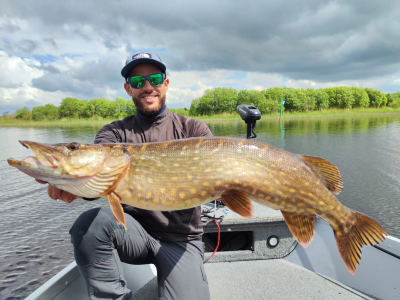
point(181, 174)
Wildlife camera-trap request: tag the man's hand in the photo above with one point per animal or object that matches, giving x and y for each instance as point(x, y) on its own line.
point(55, 193)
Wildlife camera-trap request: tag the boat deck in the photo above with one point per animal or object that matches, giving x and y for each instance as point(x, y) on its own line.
point(264, 279)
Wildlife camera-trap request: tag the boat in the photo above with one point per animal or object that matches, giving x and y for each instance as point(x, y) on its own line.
point(261, 260)
point(268, 265)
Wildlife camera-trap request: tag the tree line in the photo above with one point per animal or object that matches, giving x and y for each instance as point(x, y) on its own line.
point(219, 101)
point(72, 108)
point(225, 100)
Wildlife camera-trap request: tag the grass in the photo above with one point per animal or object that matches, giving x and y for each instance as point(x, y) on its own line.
point(62, 121)
point(325, 112)
point(286, 115)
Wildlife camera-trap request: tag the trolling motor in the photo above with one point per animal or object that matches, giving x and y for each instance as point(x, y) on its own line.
point(250, 114)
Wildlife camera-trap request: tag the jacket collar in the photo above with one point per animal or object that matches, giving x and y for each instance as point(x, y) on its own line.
point(152, 120)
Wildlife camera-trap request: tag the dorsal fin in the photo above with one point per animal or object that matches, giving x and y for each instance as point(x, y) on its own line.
point(327, 172)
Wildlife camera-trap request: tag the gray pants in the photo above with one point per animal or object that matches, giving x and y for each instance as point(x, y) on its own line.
point(100, 244)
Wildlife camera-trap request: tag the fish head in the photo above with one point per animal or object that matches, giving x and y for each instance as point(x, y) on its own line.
point(74, 167)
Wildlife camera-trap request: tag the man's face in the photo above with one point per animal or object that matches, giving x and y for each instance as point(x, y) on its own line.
point(148, 99)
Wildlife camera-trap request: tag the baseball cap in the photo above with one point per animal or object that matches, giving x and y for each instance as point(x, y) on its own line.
point(142, 57)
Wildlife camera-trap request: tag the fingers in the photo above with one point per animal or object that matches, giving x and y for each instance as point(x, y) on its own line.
point(55, 194)
point(68, 197)
point(40, 181)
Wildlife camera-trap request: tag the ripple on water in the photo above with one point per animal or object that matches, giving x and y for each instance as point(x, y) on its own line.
point(37, 227)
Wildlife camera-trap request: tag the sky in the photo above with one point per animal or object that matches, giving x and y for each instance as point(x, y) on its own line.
point(50, 50)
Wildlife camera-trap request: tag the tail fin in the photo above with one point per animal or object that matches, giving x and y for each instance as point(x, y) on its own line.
point(364, 232)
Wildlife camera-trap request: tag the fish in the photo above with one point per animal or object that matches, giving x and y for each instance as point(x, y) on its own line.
point(186, 173)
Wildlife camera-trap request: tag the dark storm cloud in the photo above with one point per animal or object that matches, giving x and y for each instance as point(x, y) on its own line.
point(105, 71)
point(10, 28)
point(50, 41)
point(82, 79)
point(314, 40)
point(48, 68)
point(61, 82)
point(24, 46)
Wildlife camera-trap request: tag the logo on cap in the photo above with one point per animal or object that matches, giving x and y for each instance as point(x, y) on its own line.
point(141, 55)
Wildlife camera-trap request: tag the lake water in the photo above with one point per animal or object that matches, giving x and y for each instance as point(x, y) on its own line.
point(34, 239)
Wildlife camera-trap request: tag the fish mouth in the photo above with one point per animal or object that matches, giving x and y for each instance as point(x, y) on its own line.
point(43, 166)
point(45, 155)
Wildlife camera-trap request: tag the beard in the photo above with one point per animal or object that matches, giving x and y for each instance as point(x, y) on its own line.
point(146, 110)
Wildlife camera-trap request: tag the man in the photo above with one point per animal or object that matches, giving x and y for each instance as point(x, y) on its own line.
point(170, 240)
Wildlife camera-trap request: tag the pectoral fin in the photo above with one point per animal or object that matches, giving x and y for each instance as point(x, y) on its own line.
point(238, 202)
point(301, 226)
point(116, 208)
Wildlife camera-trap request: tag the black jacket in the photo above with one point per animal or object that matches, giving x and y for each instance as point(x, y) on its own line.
point(171, 226)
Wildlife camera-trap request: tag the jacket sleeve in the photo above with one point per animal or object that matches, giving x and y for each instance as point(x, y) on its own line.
point(111, 133)
point(199, 128)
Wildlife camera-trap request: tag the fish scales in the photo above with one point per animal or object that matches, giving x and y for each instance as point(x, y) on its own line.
point(186, 173)
point(233, 166)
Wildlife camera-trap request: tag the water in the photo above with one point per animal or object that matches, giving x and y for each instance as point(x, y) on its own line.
point(34, 239)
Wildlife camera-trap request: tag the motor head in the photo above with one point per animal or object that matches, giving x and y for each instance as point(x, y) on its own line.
point(248, 113)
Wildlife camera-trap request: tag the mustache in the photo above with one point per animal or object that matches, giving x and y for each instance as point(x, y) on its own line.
point(149, 93)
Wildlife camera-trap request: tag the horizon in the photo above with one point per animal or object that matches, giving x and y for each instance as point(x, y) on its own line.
point(52, 51)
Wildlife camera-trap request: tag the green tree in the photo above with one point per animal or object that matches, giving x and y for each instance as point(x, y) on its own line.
point(321, 99)
point(310, 102)
point(206, 103)
point(119, 107)
point(393, 99)
point(266, 106)
point(344, 97)
point(274, 96)
point(395, 103)
point(180, 111)
point(225, 100)
point(51, 111)
point(24, 114)
point(83, 109)
point(376, 98)
point(361, 98)
point(331, 92)
point(102, 107)
point(292, 103)
point(244, 97)
point(68, 107)
point(38, 113)
point(194, 107)
point(257, 98)
point(275, 93)
point(130, 108)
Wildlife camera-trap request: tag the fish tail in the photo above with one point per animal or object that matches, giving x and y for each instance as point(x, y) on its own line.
point(365, 231)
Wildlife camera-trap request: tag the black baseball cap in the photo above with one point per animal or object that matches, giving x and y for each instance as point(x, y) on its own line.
point(139, 58)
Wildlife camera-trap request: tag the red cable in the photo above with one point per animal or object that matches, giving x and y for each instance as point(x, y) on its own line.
point(216, 248)
point(209, 246)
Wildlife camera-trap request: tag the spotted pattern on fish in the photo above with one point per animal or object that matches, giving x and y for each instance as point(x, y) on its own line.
point(186, 173)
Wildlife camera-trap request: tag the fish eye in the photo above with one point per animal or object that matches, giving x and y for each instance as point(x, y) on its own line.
point(73, 146)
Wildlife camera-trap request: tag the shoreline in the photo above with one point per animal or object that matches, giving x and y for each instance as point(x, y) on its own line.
point(334, 113)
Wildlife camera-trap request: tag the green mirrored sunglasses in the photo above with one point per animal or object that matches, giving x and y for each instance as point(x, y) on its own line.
point(138, 82)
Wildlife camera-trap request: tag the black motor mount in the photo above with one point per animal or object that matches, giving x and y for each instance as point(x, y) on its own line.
point(250, 114)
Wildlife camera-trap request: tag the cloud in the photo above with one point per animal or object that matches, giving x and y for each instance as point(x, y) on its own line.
point(78, 48)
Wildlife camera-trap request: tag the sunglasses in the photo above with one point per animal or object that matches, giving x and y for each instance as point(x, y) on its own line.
point(137, 82)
